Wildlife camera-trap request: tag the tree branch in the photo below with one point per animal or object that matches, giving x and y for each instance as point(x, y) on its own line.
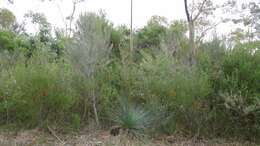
point(72, 17)
point(206, 30)
point(11, 1)
point(200, 10)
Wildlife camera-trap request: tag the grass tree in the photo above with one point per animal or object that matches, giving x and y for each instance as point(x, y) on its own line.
point(90, 49)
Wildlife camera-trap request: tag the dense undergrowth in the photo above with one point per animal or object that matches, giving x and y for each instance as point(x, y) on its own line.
point(72, 82)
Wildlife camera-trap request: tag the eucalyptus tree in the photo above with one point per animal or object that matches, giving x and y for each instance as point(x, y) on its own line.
point(90, 49)
point(7, 19)
point(41, 25)
point(202, 17)
point(196, 13)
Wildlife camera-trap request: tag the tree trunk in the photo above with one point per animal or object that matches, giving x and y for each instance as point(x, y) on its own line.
point(192, 47)
point(192, 39)
point(94, 107)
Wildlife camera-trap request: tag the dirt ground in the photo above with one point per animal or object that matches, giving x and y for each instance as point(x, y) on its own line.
point(37, 137)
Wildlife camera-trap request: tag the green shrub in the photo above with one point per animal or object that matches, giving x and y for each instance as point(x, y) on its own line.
point(241, 70)
point(239, 92)
point(7, 41)
point(178, 90)
point(174, 82)
point(38, 93)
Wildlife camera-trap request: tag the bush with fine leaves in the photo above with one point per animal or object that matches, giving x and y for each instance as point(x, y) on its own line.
point(239, 90)
point(175, 91)
point(37, 93)
point(89, 52)
point(180, 88)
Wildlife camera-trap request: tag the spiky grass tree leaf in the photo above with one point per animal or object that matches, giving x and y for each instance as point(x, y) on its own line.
point(134, 120)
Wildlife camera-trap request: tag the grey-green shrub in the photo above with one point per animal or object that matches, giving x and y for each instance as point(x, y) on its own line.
point(89, 51)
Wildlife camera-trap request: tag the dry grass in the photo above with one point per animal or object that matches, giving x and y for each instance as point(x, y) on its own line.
point(99, 138)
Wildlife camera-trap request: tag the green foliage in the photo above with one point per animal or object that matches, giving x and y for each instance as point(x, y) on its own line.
point(168, 79)
point(177, 87)
point(120, 41)
point(240, 85)
point(241, 70)
point(90, 46)
point(89, 51)
point(174, 43)
point(163, 85)
point(48, 96)
point(7, 41)
point(210, 59)
point(150, 35)
point(234, 75)
point(7, 19)
point(46, 79)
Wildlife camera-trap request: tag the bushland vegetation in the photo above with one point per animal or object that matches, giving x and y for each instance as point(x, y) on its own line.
point(162, 86)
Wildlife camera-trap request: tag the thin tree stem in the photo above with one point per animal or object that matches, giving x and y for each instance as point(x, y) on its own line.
point(131, 30)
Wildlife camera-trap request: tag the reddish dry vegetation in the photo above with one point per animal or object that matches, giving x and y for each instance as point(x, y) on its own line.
point(37, 137)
